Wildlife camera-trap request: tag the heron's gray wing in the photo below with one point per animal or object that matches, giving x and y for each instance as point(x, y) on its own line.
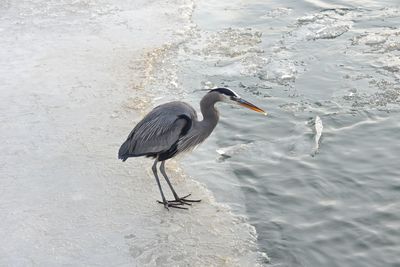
point(158, 131)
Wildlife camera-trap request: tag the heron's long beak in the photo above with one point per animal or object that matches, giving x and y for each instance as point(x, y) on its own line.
point(249, 105)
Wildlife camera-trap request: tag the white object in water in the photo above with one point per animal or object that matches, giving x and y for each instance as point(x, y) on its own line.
point(318, 132)
point(229, 151)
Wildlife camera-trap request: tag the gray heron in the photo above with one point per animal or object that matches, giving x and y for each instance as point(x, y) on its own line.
point(173, 128)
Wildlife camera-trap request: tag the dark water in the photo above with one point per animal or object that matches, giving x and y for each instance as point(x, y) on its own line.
point(335, 206)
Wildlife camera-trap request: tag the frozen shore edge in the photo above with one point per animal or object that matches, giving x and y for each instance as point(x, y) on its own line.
point(222, 231)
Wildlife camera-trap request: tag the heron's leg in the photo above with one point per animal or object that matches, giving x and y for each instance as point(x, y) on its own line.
point(162, 169)
point(154, 168)
point(177, 198)
point(164, 201)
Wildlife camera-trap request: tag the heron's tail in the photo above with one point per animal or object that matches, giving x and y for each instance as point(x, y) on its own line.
point(123, 152)
point(126, 151)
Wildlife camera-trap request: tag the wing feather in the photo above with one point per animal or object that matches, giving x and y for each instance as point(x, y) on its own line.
point(158, 131)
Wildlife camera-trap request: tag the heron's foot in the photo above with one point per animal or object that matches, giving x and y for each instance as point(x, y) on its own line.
point(179, 202)
point(184, 200)
point(172, 204)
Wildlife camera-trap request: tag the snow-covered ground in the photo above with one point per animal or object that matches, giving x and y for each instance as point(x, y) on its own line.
point(73, 84)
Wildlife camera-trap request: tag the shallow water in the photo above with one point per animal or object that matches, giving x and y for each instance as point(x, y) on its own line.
point(337, 205)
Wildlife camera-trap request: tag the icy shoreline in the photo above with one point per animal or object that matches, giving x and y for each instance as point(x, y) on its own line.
point(75, 82)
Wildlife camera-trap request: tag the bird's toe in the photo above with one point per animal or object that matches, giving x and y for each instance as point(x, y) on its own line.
point(172, 204)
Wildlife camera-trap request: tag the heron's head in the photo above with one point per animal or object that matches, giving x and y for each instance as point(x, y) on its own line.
point(229, 96)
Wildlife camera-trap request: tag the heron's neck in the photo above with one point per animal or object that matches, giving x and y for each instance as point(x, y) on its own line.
point(210, 114)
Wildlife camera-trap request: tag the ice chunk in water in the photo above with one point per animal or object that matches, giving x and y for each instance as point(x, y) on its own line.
point(318, 127)
point(229, 151)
